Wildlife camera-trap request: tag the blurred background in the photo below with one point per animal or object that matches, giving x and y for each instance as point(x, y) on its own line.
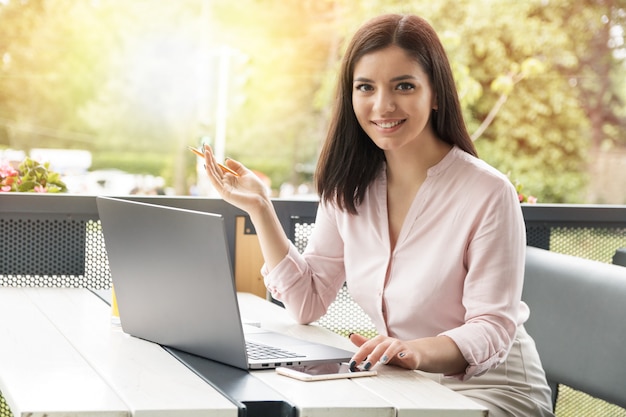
point(111, 93)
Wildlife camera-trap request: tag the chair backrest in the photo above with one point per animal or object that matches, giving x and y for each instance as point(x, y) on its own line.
point(344, 315)
point(578, 321)
point(620, 257)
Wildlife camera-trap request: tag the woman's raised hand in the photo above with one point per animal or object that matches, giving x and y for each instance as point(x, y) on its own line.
point(241, 187)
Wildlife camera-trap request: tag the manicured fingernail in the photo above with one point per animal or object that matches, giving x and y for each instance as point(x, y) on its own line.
point(367, 366)
point(401, 355)
point(352, 365)
point(384, 359)
point(350, 335)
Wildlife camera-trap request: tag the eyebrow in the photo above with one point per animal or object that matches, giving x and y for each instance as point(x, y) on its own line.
point(394, 79)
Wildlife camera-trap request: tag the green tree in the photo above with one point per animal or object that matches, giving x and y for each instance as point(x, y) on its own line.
point(277, 130)
point(538, 135)
point(517, 100)
point(147, 110)
point(541, 82)
point(526, 119)
point(119, 81)
point(47, 70)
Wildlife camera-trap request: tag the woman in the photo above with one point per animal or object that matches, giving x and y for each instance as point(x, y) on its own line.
point(430, 239)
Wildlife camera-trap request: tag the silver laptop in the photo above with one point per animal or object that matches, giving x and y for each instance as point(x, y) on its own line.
point(174, 286)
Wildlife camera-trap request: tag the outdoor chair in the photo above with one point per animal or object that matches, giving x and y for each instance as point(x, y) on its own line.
point(578, 321)
point(620, 257)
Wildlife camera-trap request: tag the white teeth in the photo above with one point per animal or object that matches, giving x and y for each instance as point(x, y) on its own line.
point(387, 125)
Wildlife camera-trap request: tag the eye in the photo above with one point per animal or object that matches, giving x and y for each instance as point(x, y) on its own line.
point(405, 87)
point(363, 87)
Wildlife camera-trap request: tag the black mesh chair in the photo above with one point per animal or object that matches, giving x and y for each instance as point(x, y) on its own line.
point(344, 315)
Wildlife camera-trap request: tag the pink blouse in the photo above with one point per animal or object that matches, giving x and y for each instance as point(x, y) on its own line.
point(457, 268)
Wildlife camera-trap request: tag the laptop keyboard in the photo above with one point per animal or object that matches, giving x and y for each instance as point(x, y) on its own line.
point(259, 351)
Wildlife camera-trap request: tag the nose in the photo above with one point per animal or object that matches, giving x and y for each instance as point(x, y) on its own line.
point(384, 102)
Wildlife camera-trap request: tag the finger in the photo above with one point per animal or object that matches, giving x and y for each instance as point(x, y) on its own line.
point(394, 348)
point(405, 359)
point(236, 166)
point(212, 168)
point(381, 349)
point(361, 354)
point(357, 339)
point(370, 350)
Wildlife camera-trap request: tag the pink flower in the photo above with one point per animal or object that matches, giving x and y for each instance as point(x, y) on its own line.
point(531, 199)
point(7, 170)
point(30, 176)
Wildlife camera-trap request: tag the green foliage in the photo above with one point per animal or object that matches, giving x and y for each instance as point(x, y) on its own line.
point(538, 134)
point(49, 69)
point(38, 177)
point(284, 117)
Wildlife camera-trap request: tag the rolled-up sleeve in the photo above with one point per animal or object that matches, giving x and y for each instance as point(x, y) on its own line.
point(493, 286)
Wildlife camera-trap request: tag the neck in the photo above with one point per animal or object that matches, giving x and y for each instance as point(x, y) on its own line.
point(403, 166)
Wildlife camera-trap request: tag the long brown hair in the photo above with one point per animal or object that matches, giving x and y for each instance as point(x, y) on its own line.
point(349, 160)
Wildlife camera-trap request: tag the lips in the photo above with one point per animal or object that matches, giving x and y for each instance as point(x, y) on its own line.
point(388, 124)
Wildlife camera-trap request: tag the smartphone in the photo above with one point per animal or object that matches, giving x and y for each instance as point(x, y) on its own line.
point(325, 371)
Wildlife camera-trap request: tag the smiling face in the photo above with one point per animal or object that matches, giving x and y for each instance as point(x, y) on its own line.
point(392, 99)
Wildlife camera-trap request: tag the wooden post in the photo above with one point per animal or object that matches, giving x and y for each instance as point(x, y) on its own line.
point(248, 259)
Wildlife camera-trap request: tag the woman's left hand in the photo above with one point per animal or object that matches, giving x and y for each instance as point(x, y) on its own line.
point(382, 349)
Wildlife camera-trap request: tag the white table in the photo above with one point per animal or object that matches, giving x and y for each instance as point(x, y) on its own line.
point(393, 392)
point(60, 356)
